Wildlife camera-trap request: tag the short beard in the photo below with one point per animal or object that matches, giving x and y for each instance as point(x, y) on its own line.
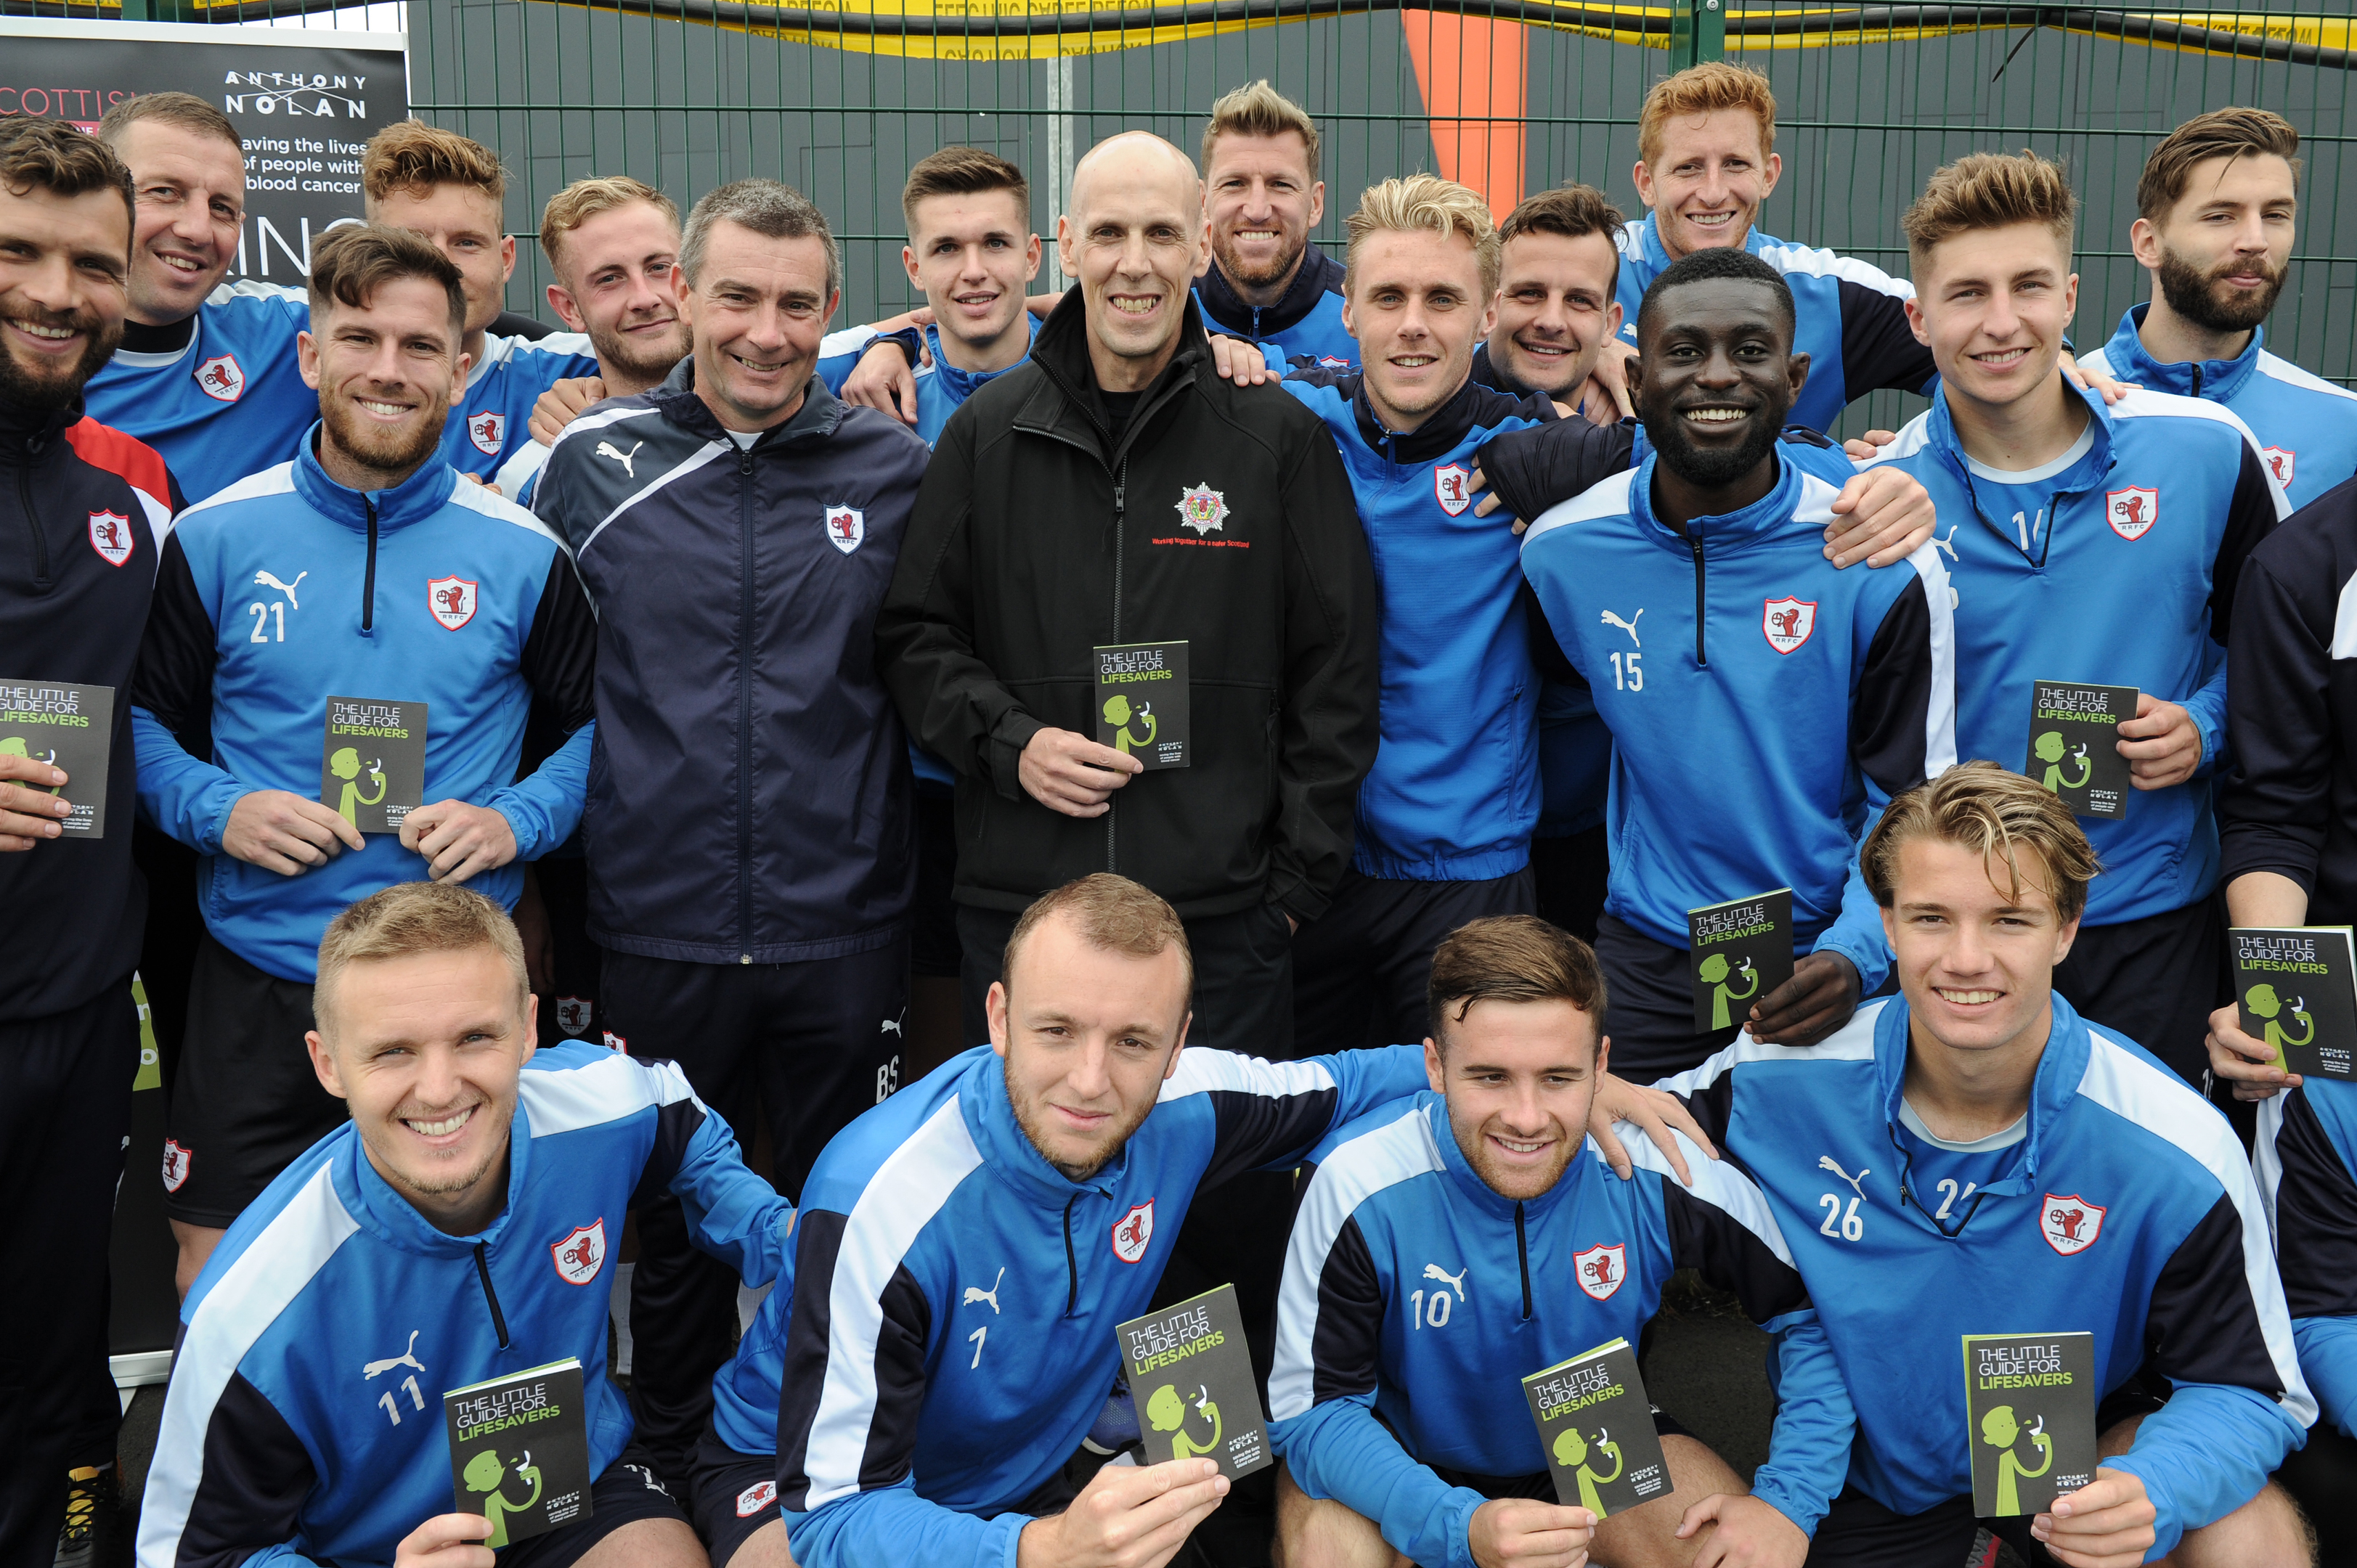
point(2189, 292)
point(1711, 470)
point(642, 361)
point(1233, 267)
point(20, 388)
point(373, 447)
point(1031, 1117)
point(1475, 1146)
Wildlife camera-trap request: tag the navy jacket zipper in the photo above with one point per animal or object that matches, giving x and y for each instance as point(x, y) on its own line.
point(1072, 1260)
point(745, 713)
point(33, 521)
point(1120, 515)
point(490, 1296)
point(368, 622)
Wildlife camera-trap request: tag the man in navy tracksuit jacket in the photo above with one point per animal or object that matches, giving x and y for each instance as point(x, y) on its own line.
point(1438, 1258)
point(2086, 541)
point(1972, 1156)
point(1709, 623)
point(1267, 284)
point(360, 572)
point(83, 508)
point(305, 1419)
point(2219, 203)
point(746, 826)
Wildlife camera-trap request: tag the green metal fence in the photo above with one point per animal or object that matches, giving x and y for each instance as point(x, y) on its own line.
point(840, 96)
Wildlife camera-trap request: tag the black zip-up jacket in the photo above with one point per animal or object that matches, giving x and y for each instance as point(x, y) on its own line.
point(748, 788)
point(1040, 535)
point(2289, 804)
point(83, 511)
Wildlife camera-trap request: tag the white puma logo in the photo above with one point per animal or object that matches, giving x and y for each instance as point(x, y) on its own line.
point(892, 1027)
point(1456, 1280)
point(1628, 625)
point(607, 449)
point(408, 1358)
point(1948, 543)
point(975, 1293)
point(1825, 1163)
point(264, 580)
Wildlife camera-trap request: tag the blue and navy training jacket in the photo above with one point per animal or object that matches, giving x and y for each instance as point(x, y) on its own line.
point(1416, 1299)
point(492, 421)
point(952, 1337)
point(1454, 793)
point(231, 401)
point(747, 798)
point(303, 1422)
point(2126, 1209)
point(286, 590)
point(1749, 753)
point(1850, 319)
point(1303, 326)
point(2306, 427)
point(2120, 569)
point(2302, 1160)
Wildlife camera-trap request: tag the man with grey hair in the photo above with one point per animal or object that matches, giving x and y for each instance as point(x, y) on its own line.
point(747, 825)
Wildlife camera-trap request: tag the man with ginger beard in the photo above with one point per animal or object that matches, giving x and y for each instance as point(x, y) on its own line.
point(363, 571)
point(613, 243)
point(2218, 204)
point(1266, 282)
point(81, 510)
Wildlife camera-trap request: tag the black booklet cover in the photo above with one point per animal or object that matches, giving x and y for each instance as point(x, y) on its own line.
point(1141, 701)
point(1191, 1374)
point(66, 725)
point(2030, 1402)
point(2295, 987)
point(1596, 1426)
point(2074, 745)
point(372, 764)
point(520, 1451)
point(1740, 951)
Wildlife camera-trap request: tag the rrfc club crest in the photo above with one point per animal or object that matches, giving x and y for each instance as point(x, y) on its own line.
point(847, 527)
point(488, 430)
point(1601, 1269)
point(110, 535)
point(2279, 463)
point(221, 379)
point(574, 1013)
point(1787, 622)
point(580, 1255)
point(2132, 511)
point(1132, 1231)
point(2071, 1224)
point(452, 600)
point(1448, 484)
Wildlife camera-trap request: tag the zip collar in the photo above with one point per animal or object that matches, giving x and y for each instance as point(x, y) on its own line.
point(1727, 531)
point(1467, 1184)
point(30, 437)
point(1947, 449)
point(2061, 1070)
point(2217, 380)
point(962, 384)
point(1473, 406)
point(1644, 246)
point(389, 1218)
point(675, 400)
point(1487, 373)
point(1063, 407)
point(413, 499)
point(1320, 275)
point(990, 1118)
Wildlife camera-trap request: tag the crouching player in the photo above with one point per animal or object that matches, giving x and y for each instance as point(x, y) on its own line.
point(2016, 1169)
point(454, 1230)
point(1453, 1242)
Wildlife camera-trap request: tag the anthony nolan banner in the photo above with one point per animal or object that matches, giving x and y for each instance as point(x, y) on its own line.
point(303, 101)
